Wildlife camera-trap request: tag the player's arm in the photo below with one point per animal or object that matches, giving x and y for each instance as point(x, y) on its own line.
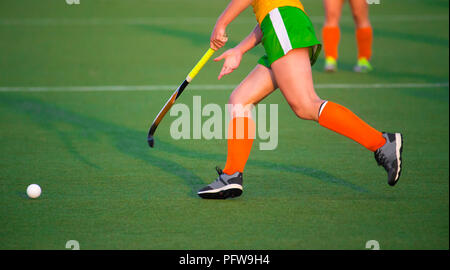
point(234, 8)
point(233, 56)
point(253, 39)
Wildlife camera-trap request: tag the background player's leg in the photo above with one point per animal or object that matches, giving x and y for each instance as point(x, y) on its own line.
point(331, 33)
point(360, 11)
point(255, 87)
point(364, 34)
point(294, 77)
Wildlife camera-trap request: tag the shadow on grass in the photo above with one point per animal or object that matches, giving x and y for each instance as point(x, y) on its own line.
point(126, 140)
point(403, 36)
point(200, 39)
point(197, 39)
point(134, 144)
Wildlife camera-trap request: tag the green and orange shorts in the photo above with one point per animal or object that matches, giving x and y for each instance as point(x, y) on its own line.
point(284, 29)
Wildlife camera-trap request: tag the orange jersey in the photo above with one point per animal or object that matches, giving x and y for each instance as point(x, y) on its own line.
point(262, 7)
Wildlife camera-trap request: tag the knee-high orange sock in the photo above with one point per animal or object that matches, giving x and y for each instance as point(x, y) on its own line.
point(364, 38)
point(331, 36)
point(341, 120)
point(241, 132)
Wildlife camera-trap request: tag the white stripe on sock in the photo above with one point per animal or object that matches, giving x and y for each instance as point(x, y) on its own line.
point(280, 30)
point(322, 107)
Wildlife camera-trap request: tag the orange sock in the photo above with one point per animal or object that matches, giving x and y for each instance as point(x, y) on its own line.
point(331, 36)
point(341, 120)
point(241, 133)
point(364, 38)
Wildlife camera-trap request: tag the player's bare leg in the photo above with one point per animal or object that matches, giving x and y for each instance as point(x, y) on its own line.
point(360, 12)
point(294, 78)
point(255, 87)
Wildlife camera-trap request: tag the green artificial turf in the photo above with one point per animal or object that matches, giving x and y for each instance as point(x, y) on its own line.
point(104, 187)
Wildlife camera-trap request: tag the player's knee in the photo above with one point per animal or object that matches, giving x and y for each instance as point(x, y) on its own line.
point(332, 19)
point(304, 112)
point(238, 107)
point(307, 110)
point(361, 21)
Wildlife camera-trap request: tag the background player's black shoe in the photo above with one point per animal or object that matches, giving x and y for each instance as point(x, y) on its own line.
point(225, 186)
point(390, 156)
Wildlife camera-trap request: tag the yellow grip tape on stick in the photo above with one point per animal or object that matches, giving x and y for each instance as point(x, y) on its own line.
point(200, 65)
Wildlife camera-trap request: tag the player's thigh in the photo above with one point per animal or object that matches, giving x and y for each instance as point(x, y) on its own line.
point(360, 11)
point(333, 11)
point(255, 87)
point(294, 78)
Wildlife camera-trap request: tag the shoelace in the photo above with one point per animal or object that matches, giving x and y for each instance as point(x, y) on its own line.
point(219, 170)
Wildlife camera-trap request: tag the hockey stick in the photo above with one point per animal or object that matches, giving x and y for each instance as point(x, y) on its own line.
point(176, 94)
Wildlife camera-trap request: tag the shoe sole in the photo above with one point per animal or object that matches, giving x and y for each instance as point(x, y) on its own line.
point(330, 70)
point(228, 191)
point(362, 70)
point(398, 152)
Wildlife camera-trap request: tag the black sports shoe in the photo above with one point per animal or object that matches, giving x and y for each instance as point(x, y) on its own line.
point(224, 187)
point(390, 156)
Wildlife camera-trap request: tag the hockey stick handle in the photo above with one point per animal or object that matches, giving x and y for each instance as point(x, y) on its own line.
point(200, 65)
point(177, 93)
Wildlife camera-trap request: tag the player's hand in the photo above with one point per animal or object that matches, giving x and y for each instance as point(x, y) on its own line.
point(232, 61)
point(218, 38)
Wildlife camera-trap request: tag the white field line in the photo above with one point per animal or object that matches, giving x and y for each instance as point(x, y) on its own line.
point(194, 20)
point(109, 88)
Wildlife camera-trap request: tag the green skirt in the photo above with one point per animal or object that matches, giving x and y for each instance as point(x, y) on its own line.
point(284, 29)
